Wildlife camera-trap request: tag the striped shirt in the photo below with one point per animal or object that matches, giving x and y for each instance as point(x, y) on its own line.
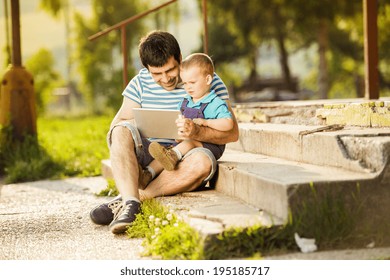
point(143, 90)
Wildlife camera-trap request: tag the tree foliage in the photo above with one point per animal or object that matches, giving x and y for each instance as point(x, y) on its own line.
point(237, 32)
point(239, 29)
point(53, 7)
point(101, 74)
point(41, 65)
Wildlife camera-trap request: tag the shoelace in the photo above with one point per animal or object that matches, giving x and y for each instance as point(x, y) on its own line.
point(116, 207)
point(126, 209)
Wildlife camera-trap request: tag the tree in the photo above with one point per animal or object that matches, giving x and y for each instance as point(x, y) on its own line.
point(55, 7)
point(46, 78)
point(384, 43)
point(315, 22)
point(238, 30)
point(98, 60)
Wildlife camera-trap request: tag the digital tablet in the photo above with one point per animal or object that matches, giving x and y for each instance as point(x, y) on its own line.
point(156, 123)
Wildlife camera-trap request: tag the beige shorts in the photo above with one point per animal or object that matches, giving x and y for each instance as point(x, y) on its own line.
point(142, 145)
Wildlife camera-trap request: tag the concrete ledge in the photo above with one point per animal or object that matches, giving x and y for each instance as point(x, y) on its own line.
point(211, 212)
point(328, 148)
point(368, 114)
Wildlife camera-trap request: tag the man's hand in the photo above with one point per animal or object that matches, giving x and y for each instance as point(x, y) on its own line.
point(186, 128)
point(201, 122)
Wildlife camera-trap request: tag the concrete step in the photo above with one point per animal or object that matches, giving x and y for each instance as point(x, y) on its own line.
point(211, 212)
point(352, 148)
point(272, 184)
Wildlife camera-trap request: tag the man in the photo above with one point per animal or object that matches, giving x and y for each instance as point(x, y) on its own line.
point(156, 86)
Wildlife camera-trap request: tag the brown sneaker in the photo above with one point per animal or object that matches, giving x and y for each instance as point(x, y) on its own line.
point(144, 177)
point(166, 157)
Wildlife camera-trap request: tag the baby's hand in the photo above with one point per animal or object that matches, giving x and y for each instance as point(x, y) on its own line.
point(200, 122)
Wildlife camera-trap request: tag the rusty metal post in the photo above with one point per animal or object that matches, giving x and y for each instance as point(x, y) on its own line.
point(17, 101)
point(16, 49)
point(370, 14)
point(124, 56)
point(205, 29)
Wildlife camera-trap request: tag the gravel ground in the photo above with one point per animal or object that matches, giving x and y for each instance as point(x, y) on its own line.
point(49, 220)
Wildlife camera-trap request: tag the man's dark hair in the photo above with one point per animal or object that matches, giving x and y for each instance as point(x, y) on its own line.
point(157, 47)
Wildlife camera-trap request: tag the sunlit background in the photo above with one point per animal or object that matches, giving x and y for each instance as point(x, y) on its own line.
point(73, 74)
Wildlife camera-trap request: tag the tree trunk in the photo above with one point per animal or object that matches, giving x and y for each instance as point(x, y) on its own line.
point(359, 85)
point(283, 55)
point(253, 75)
point(323, 79)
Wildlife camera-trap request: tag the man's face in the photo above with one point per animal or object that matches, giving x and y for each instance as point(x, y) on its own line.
point(167, 75)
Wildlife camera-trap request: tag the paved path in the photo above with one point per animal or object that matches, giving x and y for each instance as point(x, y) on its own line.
point(49, 220)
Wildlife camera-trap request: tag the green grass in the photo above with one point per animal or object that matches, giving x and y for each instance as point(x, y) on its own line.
point(110, 190)
point(66, 147)
point(165, 235)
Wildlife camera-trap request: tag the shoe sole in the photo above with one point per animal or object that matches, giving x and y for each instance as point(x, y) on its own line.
point(119, 228)
point(158, 153)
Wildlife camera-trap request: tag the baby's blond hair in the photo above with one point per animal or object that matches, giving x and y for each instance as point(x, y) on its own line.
point(201, 60)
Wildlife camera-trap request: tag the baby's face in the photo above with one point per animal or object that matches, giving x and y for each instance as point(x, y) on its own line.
point(195, 82)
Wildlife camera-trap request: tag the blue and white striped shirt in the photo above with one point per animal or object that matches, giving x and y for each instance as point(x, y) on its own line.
point(143, 90)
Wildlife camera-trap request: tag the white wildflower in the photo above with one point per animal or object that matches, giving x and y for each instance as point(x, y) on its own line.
point(169, 216)
point(164, 222)
point(157, 221)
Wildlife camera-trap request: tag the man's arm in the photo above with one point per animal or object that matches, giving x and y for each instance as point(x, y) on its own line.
point(125, 112)
point(187, 129)
point(223, 124)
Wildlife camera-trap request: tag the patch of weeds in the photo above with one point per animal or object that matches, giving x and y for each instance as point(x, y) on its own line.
point(329, 217)
point(110, 190)
point(165, 235)
point(62, 148)
point(248, 242)
point(79, 143)
point(26, 160)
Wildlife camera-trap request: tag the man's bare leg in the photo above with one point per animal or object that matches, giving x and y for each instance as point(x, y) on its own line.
point(124, 162)
point(188, 175)
point(125, 171)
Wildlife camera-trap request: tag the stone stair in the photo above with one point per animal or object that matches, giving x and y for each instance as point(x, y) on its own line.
point(288, 164)
point(274, 167)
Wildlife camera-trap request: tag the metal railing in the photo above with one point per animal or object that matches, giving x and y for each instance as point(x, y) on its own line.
point(122, 26)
